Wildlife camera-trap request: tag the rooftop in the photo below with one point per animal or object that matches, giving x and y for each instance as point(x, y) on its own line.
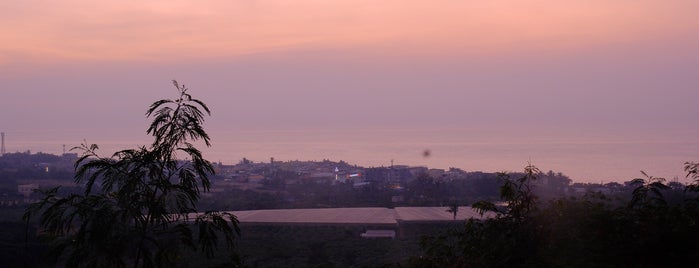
point(369, 215)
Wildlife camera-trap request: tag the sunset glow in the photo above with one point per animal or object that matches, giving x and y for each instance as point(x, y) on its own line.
point(496, 72)
point(70, 31)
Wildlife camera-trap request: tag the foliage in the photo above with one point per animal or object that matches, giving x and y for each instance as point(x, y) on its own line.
point(137, 204)
point(596, 230)
point(517, 194)
point(321, 246)
point(648, 192)
point(19, 246)
point(692, 170)
point(453, 209)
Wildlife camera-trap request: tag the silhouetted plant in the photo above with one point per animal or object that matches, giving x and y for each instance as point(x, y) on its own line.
point(692, 170)
point(501, 241)
point(453, 208)
point(648, 192)
point(517, 194)
point(595, 230)
point(136, 207)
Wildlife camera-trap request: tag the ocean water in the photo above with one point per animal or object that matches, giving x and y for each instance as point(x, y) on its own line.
point(587, 156)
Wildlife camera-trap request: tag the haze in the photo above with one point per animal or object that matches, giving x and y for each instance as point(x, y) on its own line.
point(595, 89)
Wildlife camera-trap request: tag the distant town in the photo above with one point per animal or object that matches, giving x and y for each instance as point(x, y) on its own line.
point(250, 185)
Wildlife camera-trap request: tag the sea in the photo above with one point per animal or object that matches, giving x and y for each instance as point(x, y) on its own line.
point(587, 156)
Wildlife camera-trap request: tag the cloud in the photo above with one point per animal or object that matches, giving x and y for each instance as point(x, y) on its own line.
point(71, 30)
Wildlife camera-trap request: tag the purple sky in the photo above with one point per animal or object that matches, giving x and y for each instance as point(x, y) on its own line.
point(499, 72)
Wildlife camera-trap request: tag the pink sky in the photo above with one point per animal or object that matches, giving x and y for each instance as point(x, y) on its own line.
point(518, 71)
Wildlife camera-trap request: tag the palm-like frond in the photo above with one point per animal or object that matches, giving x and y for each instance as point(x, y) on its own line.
point(483, 207)
point(133, 203)
point(648, 192)
point(212, 222)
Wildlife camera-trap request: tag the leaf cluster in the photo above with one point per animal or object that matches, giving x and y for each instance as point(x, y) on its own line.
point(643, 229)
point(139, 204)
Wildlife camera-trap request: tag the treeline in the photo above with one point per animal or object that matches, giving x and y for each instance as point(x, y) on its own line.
point(653, 225)
point(420, 190)
point(16, 167)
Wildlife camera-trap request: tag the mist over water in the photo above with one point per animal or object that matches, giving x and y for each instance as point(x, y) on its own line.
point(583, 160)
point(594, 156)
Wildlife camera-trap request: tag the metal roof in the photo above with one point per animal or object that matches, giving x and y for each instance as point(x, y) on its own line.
point(367, 215)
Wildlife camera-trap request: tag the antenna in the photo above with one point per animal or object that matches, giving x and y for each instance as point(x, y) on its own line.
point(2, 146)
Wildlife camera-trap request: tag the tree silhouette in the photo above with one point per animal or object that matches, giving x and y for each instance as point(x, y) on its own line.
point(139, 204)
point(518, 196)
point(638, 228)
point(692, 169)
point(453, 208)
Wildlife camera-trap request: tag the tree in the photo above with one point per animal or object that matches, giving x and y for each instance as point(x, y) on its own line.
point(634, 228)
point(503, 240)
point(518, 196)
point(453, 208)
point(648, 192)
point(139, 204)
point(692, 169)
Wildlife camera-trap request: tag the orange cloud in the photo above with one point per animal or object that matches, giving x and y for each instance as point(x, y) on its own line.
point(70, 30)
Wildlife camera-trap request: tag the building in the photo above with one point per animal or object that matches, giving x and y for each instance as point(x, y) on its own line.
point(27, 189)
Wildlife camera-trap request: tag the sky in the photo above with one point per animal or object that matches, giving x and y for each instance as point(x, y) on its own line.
point(595, 89)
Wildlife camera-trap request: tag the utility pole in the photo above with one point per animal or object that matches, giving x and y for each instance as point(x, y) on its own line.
point(2, 145)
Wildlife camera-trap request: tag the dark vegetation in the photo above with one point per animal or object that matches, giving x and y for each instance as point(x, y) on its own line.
point(274, 245)
point(136, 206)
point(415, 190)
point(320, 246)
point(653, 225)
